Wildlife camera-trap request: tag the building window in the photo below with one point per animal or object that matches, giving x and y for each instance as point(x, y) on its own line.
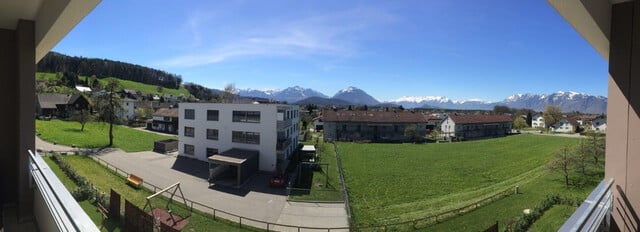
point(188, 131)
point(245, 137)
point(344, 127)
point(189, 114)
point(246, 116)
point(211, 151)
point(189, 149)
point(212, 115)
point(212, 134)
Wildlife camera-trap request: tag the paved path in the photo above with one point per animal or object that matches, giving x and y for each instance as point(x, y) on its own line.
point(256, 200)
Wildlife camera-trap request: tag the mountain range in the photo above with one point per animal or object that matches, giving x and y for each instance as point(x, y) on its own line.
point(568, 101)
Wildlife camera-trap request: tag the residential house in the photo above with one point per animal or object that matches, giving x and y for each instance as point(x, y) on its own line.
point(60, 105)
point(376, 126)
point(537, 121)
point(462, 127)
point(229, 134)
point(128, 109)
point(565, 125)
point(433, 122)
point(599, 125)
point(165, 120)
point(318, 123)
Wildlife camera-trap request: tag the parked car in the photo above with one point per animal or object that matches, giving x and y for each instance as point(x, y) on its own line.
point(278, 180)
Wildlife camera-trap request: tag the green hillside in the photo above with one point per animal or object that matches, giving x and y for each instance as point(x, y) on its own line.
point(144, 88)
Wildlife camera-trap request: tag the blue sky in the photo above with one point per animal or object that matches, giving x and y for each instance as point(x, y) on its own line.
point(388, 48)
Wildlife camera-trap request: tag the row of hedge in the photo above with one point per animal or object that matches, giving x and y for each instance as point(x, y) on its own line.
point(85, 190)
point(525, 221)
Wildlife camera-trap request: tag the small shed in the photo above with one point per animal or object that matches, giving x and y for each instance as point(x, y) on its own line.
point(309, 153)
point(233, 167)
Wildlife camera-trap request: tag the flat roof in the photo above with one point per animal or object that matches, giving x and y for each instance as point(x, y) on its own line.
point(308, 148)
point(234, 156)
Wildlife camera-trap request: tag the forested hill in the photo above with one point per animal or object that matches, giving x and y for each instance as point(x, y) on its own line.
point(55, 62)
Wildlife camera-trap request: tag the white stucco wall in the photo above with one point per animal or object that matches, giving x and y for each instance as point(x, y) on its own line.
point(267, 127)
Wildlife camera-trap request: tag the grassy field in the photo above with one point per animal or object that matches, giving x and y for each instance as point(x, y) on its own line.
point(553, 218)
point(319, 190)
point(398, 182)
point(144, 88)
point(105, 180)
point(96, 135)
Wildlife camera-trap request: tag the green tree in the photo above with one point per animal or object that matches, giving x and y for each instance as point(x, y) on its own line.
point(552, 114)
point(529, 118)
point(562, 162)
point(144, 113)
point(82, 116)
point(519, 123)
point(501, 109)
point(435, 134)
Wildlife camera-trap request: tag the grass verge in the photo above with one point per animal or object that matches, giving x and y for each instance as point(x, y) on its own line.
point(324, 184)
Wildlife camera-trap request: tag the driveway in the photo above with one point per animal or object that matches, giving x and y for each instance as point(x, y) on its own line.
point(255, 200)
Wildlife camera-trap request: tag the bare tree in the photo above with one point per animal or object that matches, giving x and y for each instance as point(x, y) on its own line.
point(562, 163)
point(552, 114)
point(411, 131)
point(581, 154)
point(82, 116)
point(596, 145)
point(110, 106)
point(229, 94)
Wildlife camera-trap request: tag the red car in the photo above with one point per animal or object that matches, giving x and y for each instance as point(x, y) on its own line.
point(278, 180)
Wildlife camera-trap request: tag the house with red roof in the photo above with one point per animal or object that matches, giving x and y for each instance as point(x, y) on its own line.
point(375, 126)
point(472, 126)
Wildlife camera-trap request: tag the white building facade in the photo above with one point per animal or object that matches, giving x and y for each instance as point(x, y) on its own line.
point(599, 125)
point(537, 121)
point(207, 129)
point(128, 109)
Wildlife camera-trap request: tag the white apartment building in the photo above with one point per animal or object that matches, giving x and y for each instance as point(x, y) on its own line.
point(207, 129)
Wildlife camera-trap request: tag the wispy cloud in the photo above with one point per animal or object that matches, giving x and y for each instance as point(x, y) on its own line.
point(336, 34)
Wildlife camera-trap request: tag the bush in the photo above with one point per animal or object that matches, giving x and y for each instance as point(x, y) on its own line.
point(85, 190)
point(526, 220)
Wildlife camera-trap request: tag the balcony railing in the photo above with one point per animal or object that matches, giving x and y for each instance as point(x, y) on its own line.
point(594, 213)
point(54, 208)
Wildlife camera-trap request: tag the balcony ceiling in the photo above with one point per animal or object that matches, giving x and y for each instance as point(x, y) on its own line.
point(590, 18)
point(12, 10)
point(54, 18)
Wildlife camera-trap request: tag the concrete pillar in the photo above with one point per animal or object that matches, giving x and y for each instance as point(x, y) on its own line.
point(623, 122)
point(8, 120)
point(25, 84)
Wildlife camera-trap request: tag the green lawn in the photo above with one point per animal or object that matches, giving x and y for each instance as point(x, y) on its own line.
point(319, 190)
point(96, 135)
point(105, 179)
point(553, 218)
point(398, 182)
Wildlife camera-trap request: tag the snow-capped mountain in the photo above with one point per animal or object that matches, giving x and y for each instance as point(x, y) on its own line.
point(291, 94)
point(356, 96)
point(568, 101)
